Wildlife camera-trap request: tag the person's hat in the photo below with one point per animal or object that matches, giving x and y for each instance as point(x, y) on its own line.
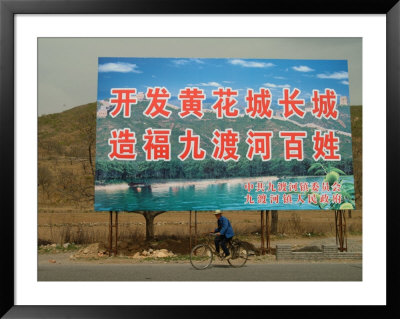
point(217, 212)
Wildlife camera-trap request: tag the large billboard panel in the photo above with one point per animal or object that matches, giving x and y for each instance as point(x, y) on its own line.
point(218, 133)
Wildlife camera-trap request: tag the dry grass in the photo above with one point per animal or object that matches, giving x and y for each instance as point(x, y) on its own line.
point(84, 228)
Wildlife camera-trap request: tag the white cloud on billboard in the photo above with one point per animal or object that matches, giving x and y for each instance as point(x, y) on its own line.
point(302, 68)
point(121, 67)
point(250, 64)
point(335, 76)
point(215, 84)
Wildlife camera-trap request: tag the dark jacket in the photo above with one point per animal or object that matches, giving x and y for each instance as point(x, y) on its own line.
point(224, 227)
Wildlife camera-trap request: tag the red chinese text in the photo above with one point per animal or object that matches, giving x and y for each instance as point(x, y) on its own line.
point(261, 199)
point(299, 199)
point(337, 198)
point(225, 102)
point(274, 198)
point(290, 104)
point(287, 199)
point(259, 144)
point(326, 146)
point(324, 104)
point(258, 103)
point(271, 187)
point(312, 198)
point(122, 145)
point(158, 101)
point(249, 186)
point(192, 145)
point(293, 145)
point(260, 187)
point(191, 102)
point(282, 186)
point(157, 146)
point(249, 199)
point(225, 145)
point(123, 100)
point(293, 187)
point(336, 187)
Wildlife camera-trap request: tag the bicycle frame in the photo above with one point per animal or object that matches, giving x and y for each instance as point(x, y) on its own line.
point(210, 243)
point(233, 246)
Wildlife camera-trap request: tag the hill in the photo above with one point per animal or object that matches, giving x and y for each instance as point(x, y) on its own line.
point(66, 151)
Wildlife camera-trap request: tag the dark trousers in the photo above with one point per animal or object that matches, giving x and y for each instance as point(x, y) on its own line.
point(222, 240)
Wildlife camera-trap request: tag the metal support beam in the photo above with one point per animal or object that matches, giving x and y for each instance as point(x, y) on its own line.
point(116, 233)
point(195, 227)
point(190, 230)
point(112, 249)
point(262, 233)
point(268, 230)
point(110, 233)
point(341, 233)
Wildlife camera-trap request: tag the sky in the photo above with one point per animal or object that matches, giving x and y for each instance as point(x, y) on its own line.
point(209, 74)
point(68, 67)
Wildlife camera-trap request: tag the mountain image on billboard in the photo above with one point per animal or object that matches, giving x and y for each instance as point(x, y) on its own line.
point(223, 133)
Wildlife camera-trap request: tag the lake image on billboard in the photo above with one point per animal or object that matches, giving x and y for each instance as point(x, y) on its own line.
point(231, 134)
point(224, 194)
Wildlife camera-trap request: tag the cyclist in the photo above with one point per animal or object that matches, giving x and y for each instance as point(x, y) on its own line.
point(224, 233)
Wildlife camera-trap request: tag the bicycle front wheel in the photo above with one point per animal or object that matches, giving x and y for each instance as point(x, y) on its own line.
point(201, 256)
point(239, 256)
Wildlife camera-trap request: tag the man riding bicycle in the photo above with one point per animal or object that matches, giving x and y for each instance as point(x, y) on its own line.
point(224, 233)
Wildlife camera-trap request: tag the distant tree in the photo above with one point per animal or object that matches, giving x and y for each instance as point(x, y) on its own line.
point(87, 131)
point(357, 162)
point(45, 179)
point(75, 188)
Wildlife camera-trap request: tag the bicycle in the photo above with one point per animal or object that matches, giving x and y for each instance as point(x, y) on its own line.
point(202, 255)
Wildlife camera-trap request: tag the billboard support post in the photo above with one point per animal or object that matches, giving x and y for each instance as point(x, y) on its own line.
point(116, 233)
point(195, 227)
point(268, 230)
point(190, 230)
point(262, 233)
point(110, 233)
point(341, 234)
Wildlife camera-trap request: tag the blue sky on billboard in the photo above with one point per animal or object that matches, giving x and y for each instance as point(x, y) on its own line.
point(211, 73)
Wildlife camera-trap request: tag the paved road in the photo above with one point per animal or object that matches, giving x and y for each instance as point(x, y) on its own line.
point(185, 272)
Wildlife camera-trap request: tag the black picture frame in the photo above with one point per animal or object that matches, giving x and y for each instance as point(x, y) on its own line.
point(8, 10)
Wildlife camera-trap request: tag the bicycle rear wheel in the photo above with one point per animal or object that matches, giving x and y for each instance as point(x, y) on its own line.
point(239, 255)
point(201, 256)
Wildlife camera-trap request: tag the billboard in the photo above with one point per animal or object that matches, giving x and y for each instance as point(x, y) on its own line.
point(223, 133)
